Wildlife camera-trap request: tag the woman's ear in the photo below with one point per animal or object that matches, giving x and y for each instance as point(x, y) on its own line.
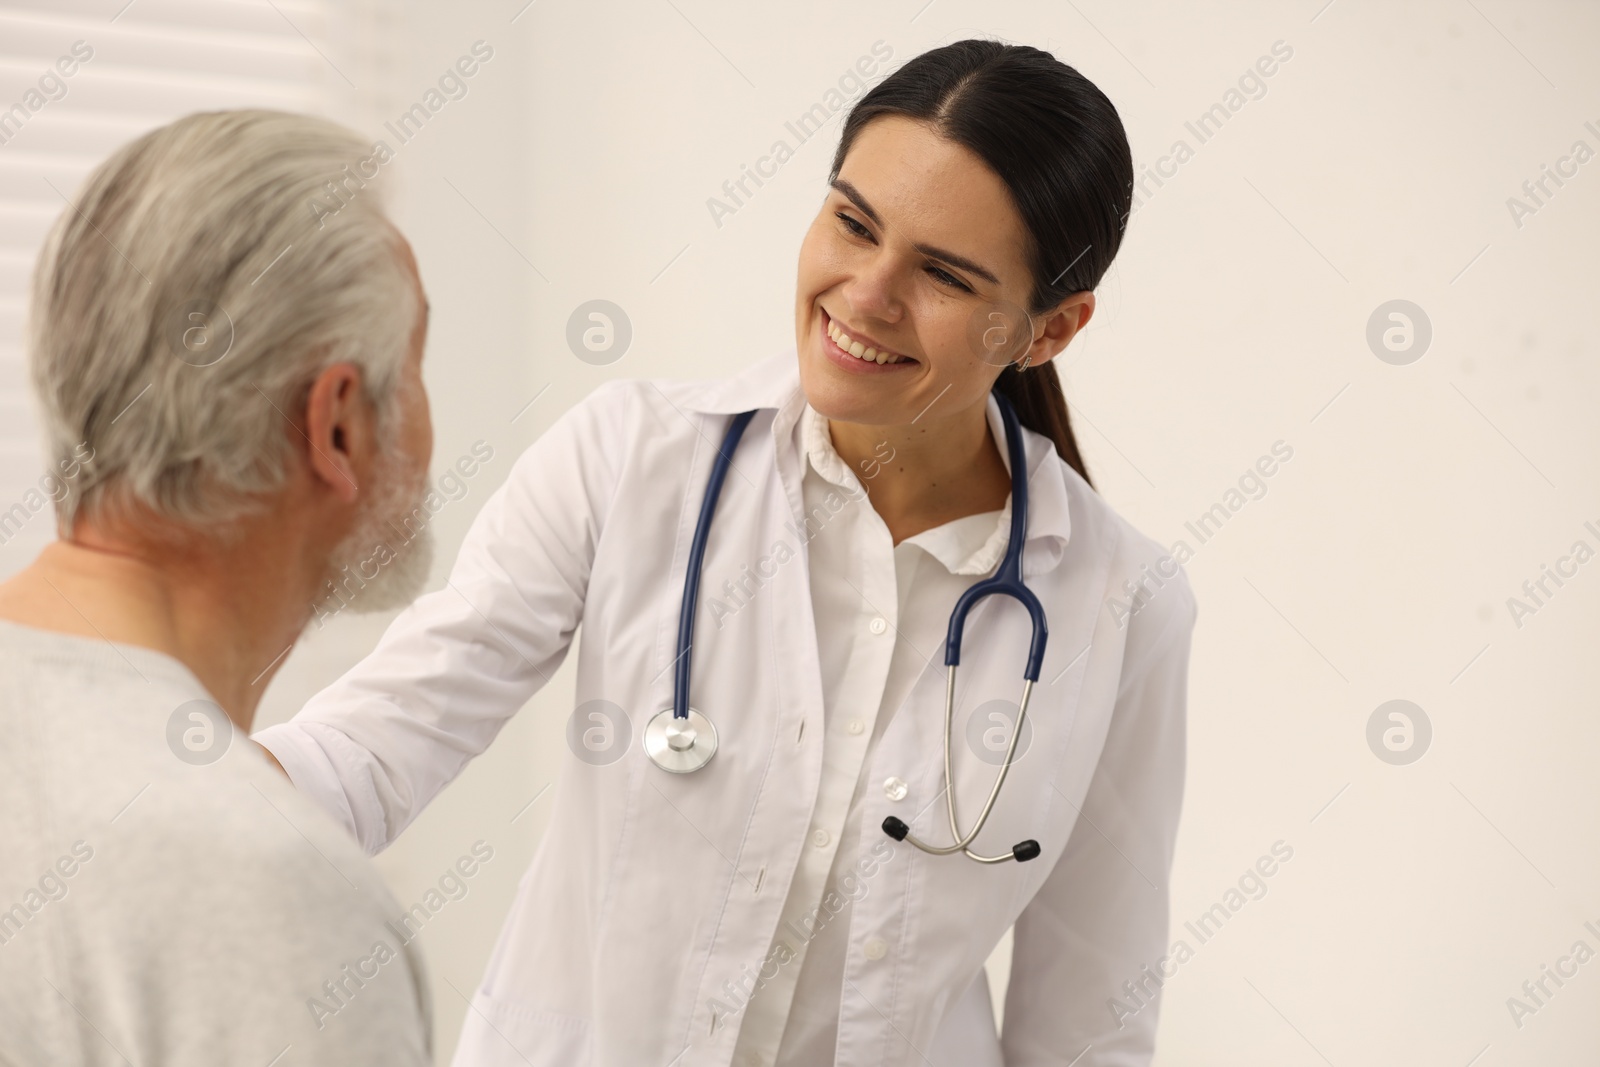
point(339, 430)
point(1056, 327)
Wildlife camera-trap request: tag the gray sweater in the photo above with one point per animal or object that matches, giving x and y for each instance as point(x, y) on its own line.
point(166, 897)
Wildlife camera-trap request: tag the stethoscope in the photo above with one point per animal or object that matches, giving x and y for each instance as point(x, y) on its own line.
point(680, 739)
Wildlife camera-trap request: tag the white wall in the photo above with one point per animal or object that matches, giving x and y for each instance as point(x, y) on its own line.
point(1377, 566)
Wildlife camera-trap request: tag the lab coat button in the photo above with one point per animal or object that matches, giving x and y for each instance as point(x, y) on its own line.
point(875, 948)
point(894, 788)
point(820, 838)
point(856, 726)
point(878, 625)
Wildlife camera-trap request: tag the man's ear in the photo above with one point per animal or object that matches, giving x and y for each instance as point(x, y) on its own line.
point(339, 430)
point(1059, 325)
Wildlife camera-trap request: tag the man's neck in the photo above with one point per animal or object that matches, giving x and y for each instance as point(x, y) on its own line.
point(212, 608)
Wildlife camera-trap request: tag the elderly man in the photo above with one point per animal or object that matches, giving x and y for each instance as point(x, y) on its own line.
point(226, 341)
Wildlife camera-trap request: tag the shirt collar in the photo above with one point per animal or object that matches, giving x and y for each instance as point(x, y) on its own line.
point(774, 382)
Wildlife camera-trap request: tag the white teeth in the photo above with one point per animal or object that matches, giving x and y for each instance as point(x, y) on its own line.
point(862, 352)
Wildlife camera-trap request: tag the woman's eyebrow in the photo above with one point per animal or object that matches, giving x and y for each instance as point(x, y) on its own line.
point(951, 258)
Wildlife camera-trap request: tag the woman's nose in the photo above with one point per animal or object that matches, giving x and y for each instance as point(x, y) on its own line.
point(874, 290)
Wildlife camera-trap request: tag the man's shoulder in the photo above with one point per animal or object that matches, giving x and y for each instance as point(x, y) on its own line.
point(120, 758)
point(242, 820)
point(168, 872)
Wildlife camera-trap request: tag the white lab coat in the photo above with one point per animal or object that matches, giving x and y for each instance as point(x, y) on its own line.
point(653, 896)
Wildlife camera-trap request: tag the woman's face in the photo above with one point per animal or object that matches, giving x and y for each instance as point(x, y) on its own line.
point(919, 252)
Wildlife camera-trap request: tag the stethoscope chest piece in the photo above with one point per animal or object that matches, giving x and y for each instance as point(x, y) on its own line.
point(680, 745)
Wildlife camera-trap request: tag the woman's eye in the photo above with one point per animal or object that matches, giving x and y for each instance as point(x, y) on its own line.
point(944, 277)
point(853, 226)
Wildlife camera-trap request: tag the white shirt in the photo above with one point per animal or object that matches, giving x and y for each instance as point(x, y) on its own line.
point(653, 904)
point(881, 611)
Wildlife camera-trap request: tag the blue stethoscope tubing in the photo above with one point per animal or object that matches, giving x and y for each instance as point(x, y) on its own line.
point(681, 739)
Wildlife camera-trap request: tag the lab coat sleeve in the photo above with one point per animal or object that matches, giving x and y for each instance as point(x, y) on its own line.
point(1101, 917)
point(379, 743)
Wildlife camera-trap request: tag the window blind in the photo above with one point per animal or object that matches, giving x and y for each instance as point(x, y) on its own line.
point(79, 78)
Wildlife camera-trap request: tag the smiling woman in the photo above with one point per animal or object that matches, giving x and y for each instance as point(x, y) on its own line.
point(981, 182)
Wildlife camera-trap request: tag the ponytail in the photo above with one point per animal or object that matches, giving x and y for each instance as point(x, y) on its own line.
point(1041, 406)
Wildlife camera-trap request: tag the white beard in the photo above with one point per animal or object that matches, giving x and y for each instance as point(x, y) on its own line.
point(402, 570)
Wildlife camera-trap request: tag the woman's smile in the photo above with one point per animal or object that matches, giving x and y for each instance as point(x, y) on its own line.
point(852, 351)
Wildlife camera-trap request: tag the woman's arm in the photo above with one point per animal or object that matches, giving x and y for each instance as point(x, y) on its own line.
point(378, 744)
point(1101, 917)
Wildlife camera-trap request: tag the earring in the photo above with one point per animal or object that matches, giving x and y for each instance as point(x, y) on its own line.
point(1025, 361)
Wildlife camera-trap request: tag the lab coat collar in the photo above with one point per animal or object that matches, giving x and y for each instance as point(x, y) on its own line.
point(774, 382)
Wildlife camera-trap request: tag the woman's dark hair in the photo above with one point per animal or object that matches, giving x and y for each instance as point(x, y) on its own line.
point(1058, 144)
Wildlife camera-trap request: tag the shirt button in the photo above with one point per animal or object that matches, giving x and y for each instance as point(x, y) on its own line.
point(856, 726)
point(878, 625)
point(894, 788)
point(875, 948)
point(820, 838)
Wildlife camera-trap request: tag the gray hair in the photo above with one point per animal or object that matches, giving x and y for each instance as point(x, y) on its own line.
point(181, 309)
